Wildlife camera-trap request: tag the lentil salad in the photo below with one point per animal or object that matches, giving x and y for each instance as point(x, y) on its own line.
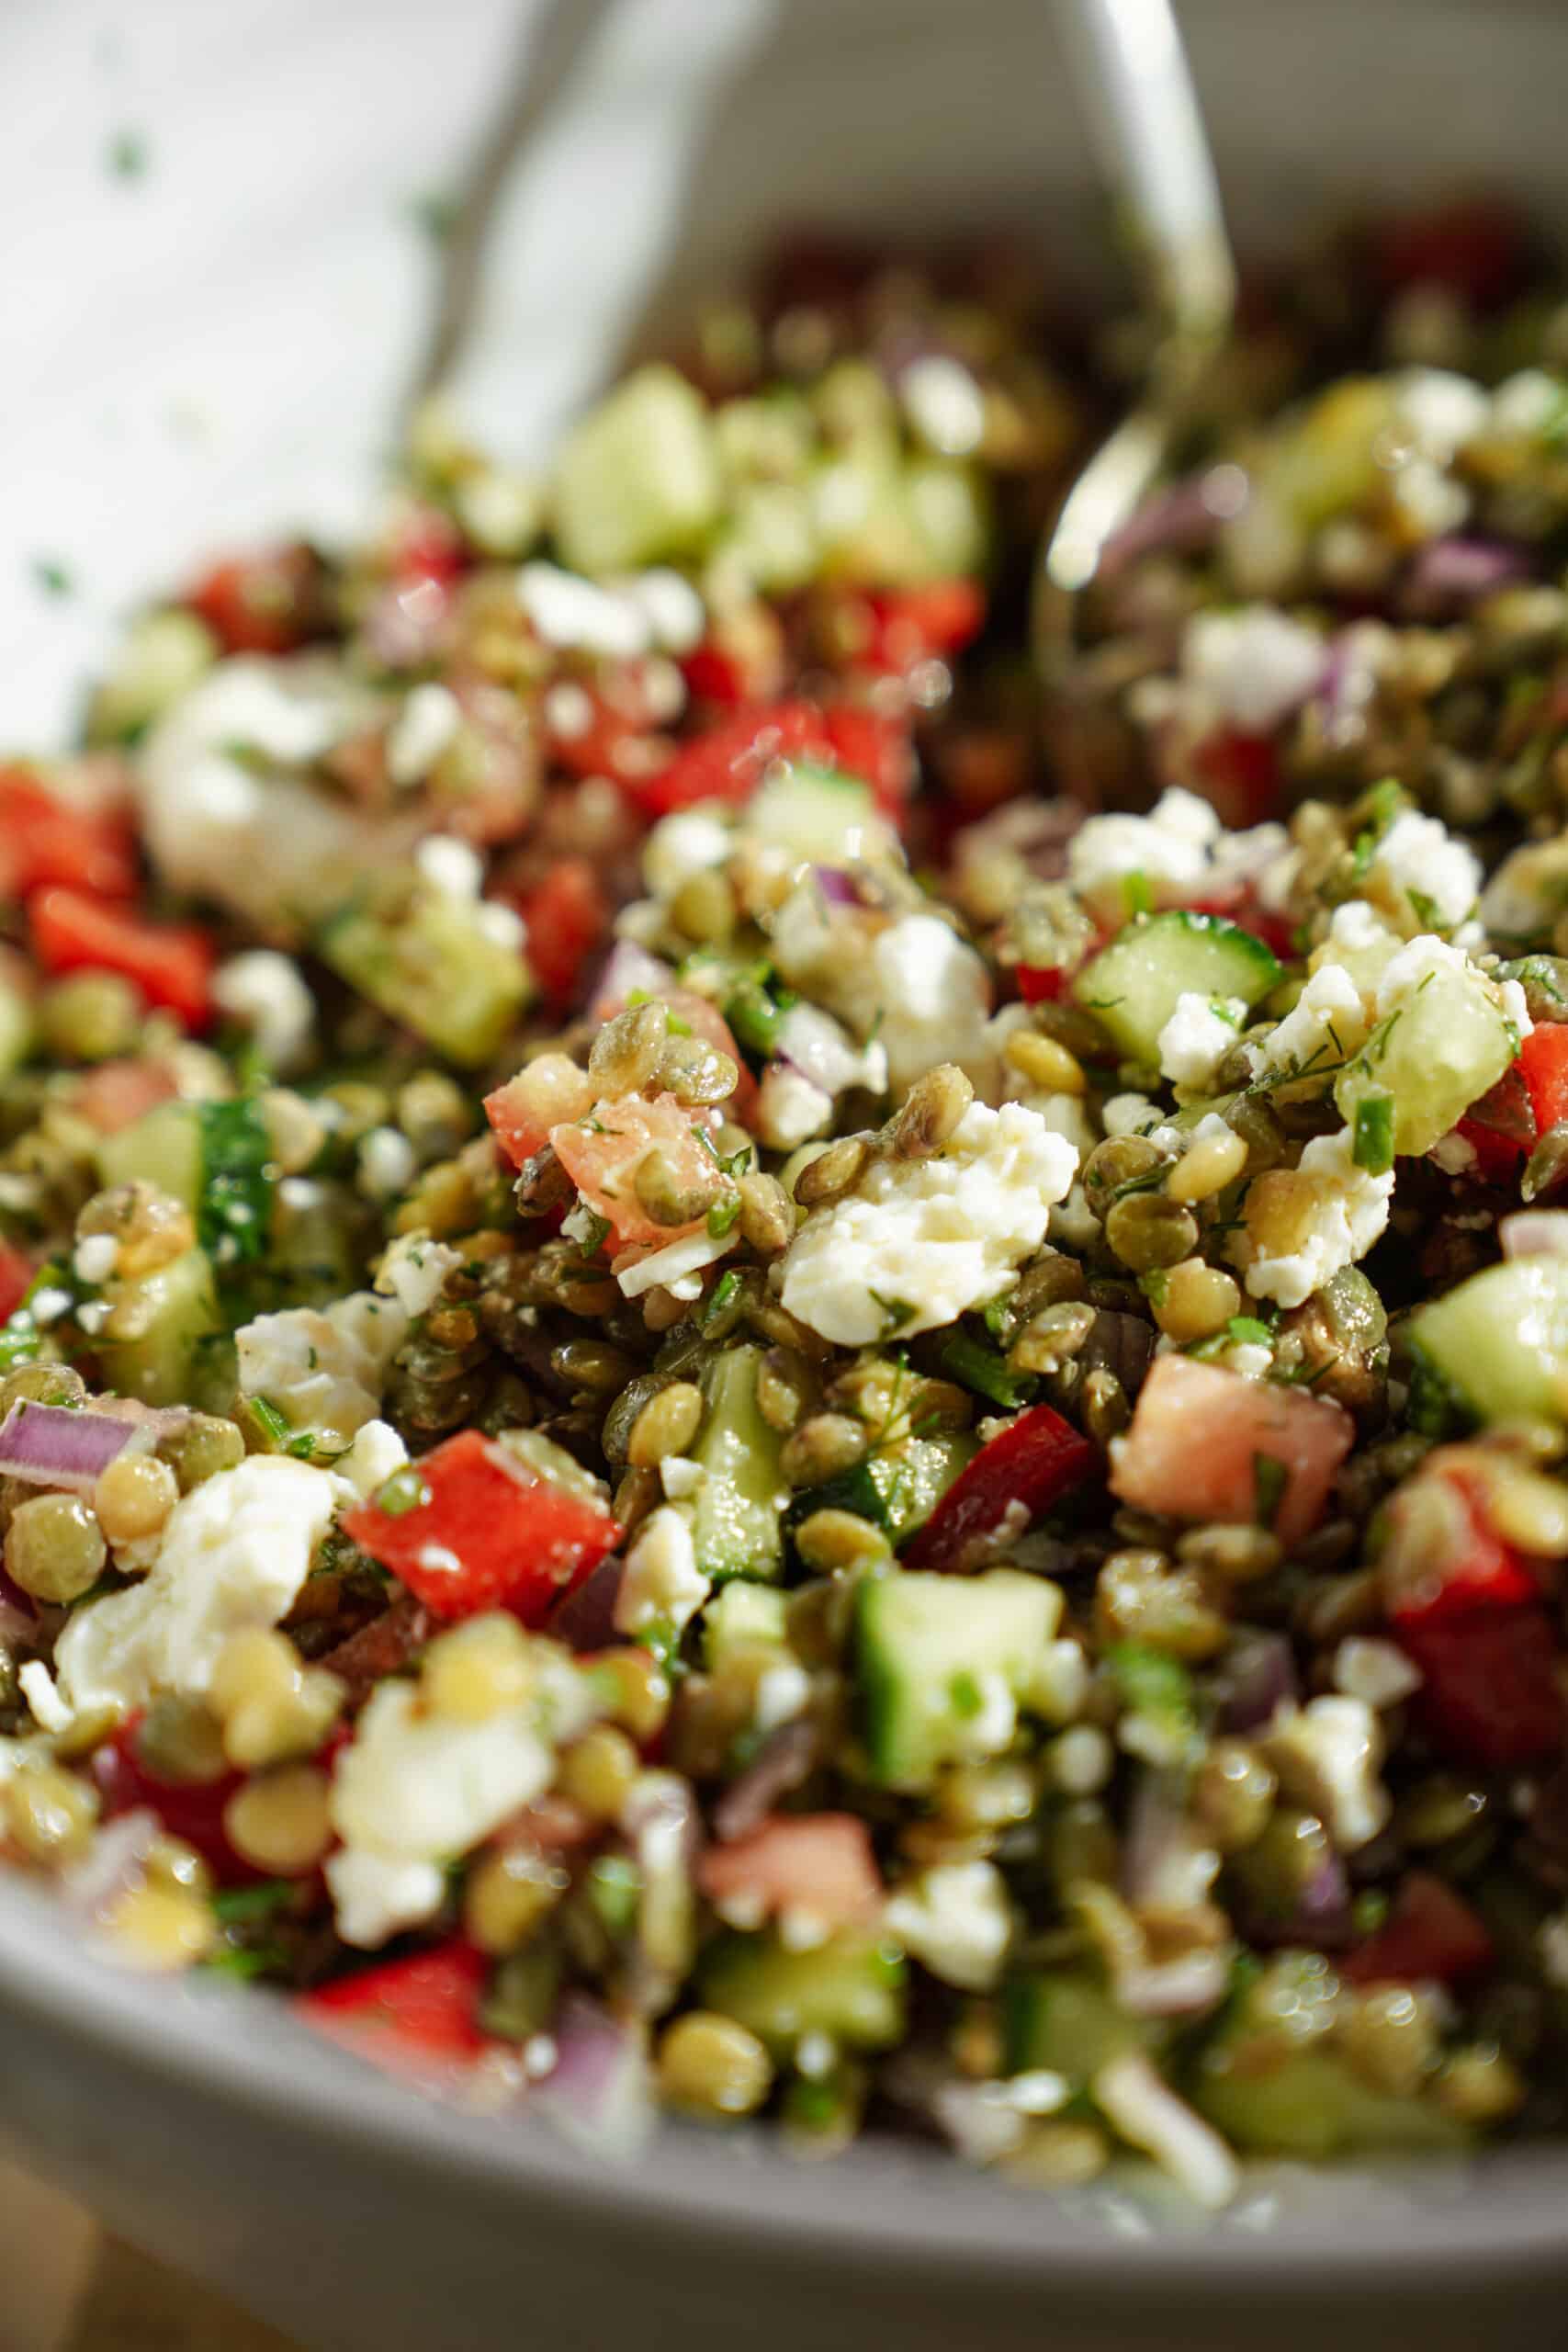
point(718, 1381)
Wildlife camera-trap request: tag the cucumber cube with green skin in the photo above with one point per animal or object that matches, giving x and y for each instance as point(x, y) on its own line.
point(818, 815)
point(179, 1302)
point(1064, 2021)
point(737, 1510)
point(432, 967)
point(1311, 2105)
point(1438, 1052)
point(1499, 1340)
point(637, 481)
point(1132, 986)
point(932, 1655)
point(852, 1988)
point(741, 1616)
point(161, 1148)
point(897, 1487)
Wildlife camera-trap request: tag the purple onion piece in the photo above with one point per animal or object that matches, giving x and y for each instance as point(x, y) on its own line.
point(1321, 1922)
point(586, 1620)
point(1254, 1679)
point(599, 2092)
point(836, 887)
point(1450, 574)
point(1181, 519)
point(785, 1760)
point(630, 968)
point(51, 1445)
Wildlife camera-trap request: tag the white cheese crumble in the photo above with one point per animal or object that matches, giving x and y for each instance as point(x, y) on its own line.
point(452, 866)
point(234, 1554)
point(944, 405)
point(266, 991)
point(323, 1369)
point(914, 987)
point(922, 1241)
point(1441, 410)
point(1378, 1673)
point(1345, 1211)
point(421, 730)
point(1422, 874)
point(1198, 1036)
point(388, 1164)
point(413, 1271)
point(1169, 849)
point(1148, 2115)
point(792, 1109)
point(661, 1584)
point(1327, 1755)
point(956, 1920)
point(1254, 665)
point(688, 842)
point(95, 1257)
point(675, 614)
point(677, 1262)
point(566, 610)
point(38, 1687)
point(1325, 1025)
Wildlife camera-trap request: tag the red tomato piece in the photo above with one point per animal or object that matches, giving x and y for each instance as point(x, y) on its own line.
point(728, 763)
point(427, 544)
point(615, 731)
point(43, 839)
point(266, 603)
point(923, 623)
point(523, 1112)
point(422, 2007)
point(876, 749)
point(1430, 1936)
point(567, 917)
point(600, 1157)
point(169, 963)
point(15, 1279)
point(1479, 1571)
point(1240, 773)
point(190, 1810)
point(1201, 1437)
point(494, 1533)
point(1474, 245)
point(1034, 1461)
point(1543, 1065)
point(115, 1092)
point(820, 1862)
point(1492, 1695)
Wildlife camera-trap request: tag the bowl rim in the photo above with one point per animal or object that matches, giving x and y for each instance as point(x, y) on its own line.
point(1497, 2220)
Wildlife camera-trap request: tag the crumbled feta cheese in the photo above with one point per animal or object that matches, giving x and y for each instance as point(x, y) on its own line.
point(1254, 665)
point(1342, 1211)
point(1403, 975)
point(943, 403)
point(1326, 1025)
point(688, 842)
point(567, 709)
point(1081, 1760)
point(680, 1477)
point(266, 992)
point(675, 614)
point(1422, 874)
point(37, 1685)
point(1527, 400)
point(1130, 1115)
point(452, 866)
point(388, 1164)
point(376, 1452)
point(812, 1042)
point(1328, 1755)
point(323, 1369)
point(413, 1271)
point(922, 1241)
point(1249, 1359)
point(1441, 410)
point(234, 1553)
point(566, 610)
point(1169, 849)
point(662, 1583)
point(931, 999)
point(1378, 1673)
point(1357, 929)
point(95, 1257)
point(1454, 1154)
point(421, 730)
point(783, 1694)
point(957, 1921)
point(501, 924)
point(374, 1896)
point(1198, 1036)
point(792, 1109)
point(1073, 1225)
point(47, 1305)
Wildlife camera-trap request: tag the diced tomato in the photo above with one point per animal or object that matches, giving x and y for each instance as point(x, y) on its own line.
point(1497, 1156)
point(1543, 1065)
point(1240, 773)
point(44, 840)
point(612, 730)
point(1530, 1097)
point(190, 1810)
point(601, 1158)
point(1430, 1936)
point(169, 963)
point(922, 624)
point(741, 661)
point(405, 2012)
point(1479, 1570)
point(876, 749)
point(1202, 1438)
point(426, 544)
point(816, 1862)
point(1490, 1693)
point(15, 1279)
point(267, 603)
point(728, 762)
point(567, 915)
point(1034, 1461)
point(494, 1533)
point(117, 1092)
point(523, 1112)
point(1475, 245)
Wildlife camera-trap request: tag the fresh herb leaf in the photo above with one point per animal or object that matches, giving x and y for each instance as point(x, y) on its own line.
point(1137, 899)
point(1270, 1479)
point(129, 155)
point(974, 1365)
point(405, 1491)
point(235, 1209)
point(895, 1312)
point(1249, 1331)
point(724, 1216)
point(724, 1289)
point(238, 1906)
point(52, 576)
point(271, 1423)
point(1373, 1147)
point(965, 1697)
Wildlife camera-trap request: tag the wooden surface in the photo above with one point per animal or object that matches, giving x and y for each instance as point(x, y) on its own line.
point(67, 2288)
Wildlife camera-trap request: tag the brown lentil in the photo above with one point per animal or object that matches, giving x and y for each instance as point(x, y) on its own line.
point(50, 1815)
point(625, 1053)
point(832, 1173)
point(133, 1497)
point(666, 1425)
point(271, 1706)
point(713, 2067)
point(162, 1928)
point(1051, 1337)
point(931, 1113)
point(823, 1447)
point(1148, 1232)
point(639, 1691)
point(667, 1193)
point(481, 1669)
point(767, 1214)
point(1233, 1794)
point(182, 1741)
point(592, 1367)
point(1390, 2036)
point(279, 1821)
point(839, 1538)
point(1141, 1597)
point(1234, 1554)
point(1119, 1161)
point(695, 1072)
point(89, 1016)
point(597, 1772)
point(508, 1894)
point(1206, 1166)
point(1045, 1062)
point(1194, 1301)
point(704, 907)
point(54, 1547)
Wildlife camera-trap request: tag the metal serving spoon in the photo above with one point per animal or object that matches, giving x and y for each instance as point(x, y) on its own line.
point(1127, 60)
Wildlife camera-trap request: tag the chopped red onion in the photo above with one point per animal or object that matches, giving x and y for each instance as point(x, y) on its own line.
point(1456, 571)
point(598, 2092)
point(811, 1042)
point(586, 1620)
point(1321, 1919)
point(1181, 519)
point(630, 970)
point(836, 887)
point(1535, 1233)
point(51, 1445)
point(1166, 1863)
point(787, 1758)
point(1255, 1677)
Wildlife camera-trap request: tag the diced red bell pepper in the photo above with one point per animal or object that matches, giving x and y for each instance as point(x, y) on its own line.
point(1475, 245)
point(567, 917)
point(42, 840)
point(621, 735)
point(1430, 1936)
point(169, 963)
point(1531, 1096)
point(266, 603)
point(1490, 1693)
point(741, 661)
point(1480, 1572)
point(728, 762)
point(15, 1279)
point(1240, 773)
point(494, 1533)
point(1543, 1065)
point(1034, 1462)
point(405, 2013)
point(924, 624)
point(190, 1810)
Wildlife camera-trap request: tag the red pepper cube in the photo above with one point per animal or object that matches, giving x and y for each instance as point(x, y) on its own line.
point(405, 2012)
point(1431, 1935)
point(169, 963)
point(493, 1531)
point(1034, 1461)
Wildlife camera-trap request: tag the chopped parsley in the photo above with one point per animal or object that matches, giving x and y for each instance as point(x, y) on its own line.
point(235, 1209)
point(1373, 1146)
point(1270, 1479)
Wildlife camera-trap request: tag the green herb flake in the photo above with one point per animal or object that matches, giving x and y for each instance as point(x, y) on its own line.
point(1249, 1332)
point(723, 1291)
point(1147, 1682)
point(53, 577)
point(965, 1697)
point(405, 1491)
point(435, 213)
point(271, 1423)
point(129, 155)
point(238, 1907)
point(723, 1215)
point(1137, 899)
point(895, 1312)
point(1373, 1147)
point(237, 1174)
point(1270, 1479)
point(614, 1889)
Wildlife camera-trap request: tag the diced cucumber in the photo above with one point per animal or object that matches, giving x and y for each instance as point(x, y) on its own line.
point(818, 815)
point(741, 1616)
point(432, 966)
point(159, 659)
point(1432, 1058)
point(898, 1488)
point(771, 536)
point(932, 1656)
point(1133, 985)
point(950, 520)
point(159, 1365)
point(1499, 1340)
point(163, 1148)
point(1064, 2021)
point(736, 1522)
point(638, 479)
point(1311, 2105)
point(851, 1989)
